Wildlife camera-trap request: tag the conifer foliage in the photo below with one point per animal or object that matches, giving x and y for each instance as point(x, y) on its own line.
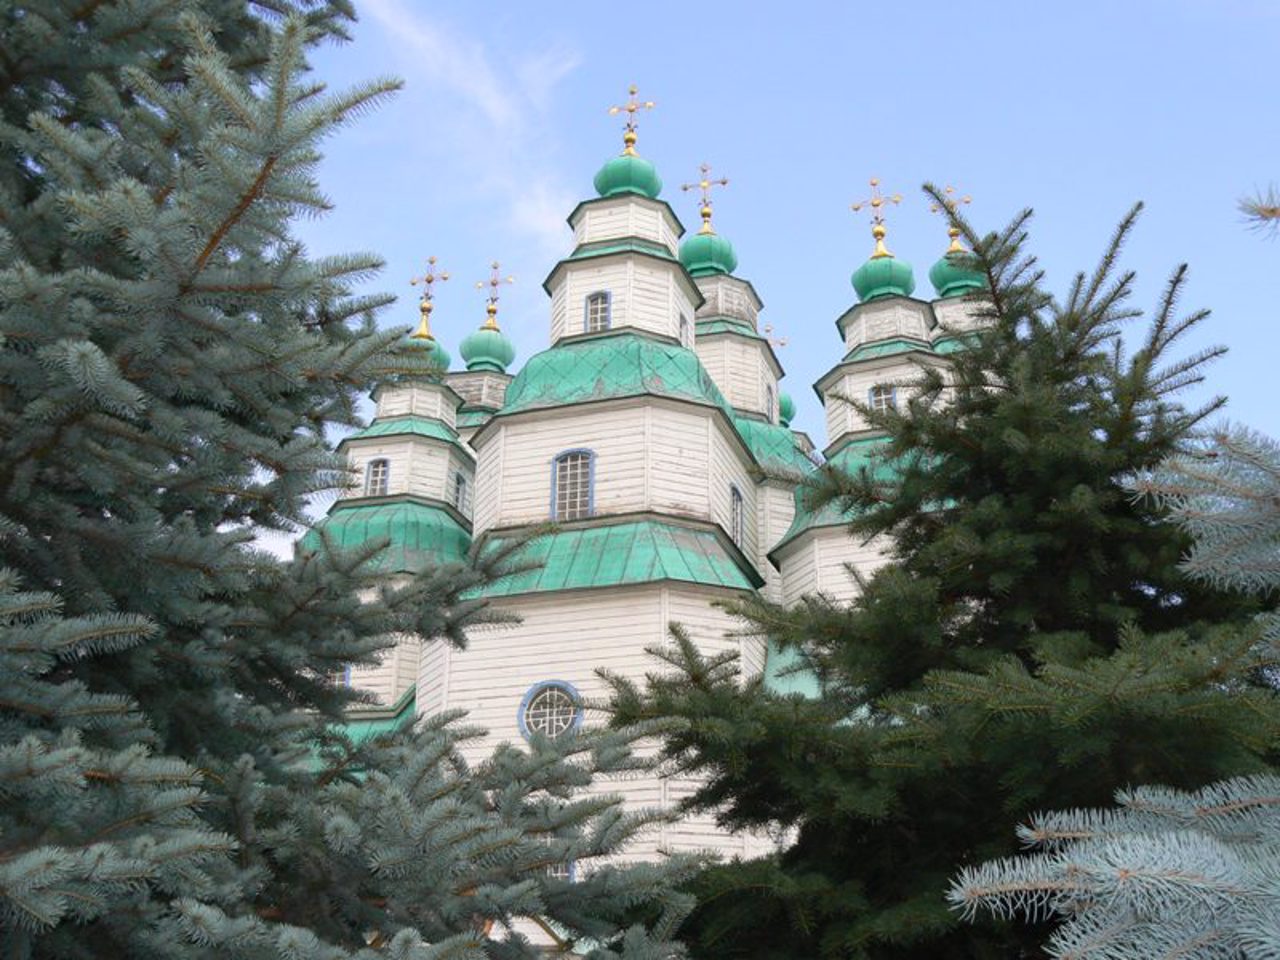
point(174, 779)
point(1031, 640)
point(1170, 873)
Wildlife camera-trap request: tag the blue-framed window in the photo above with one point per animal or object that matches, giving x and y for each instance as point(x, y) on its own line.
point(737, 515)
point(768, 402)
point(377, 478)
point(598, 311)
point(550, 708)
point(686, 333)
point(882, 397)
point(573, 480)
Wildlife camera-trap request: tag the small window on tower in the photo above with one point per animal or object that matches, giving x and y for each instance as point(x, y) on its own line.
point(686, 334)
point(571, 480)
point(598, 310)
point(882, 397)
point(768, 402)
point(459, 493)
point(737, 515)
point(377, 477)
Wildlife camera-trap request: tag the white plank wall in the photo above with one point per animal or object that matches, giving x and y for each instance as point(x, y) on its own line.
point(739, 368)
point(419, 399)
point(728, 468)
point(397, 671)
point(887, 319)
point(644, 294)
point(775, 509)
point(627, 217)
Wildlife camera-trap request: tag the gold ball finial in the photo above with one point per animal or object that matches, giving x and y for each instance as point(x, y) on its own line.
point(876, 204)
point(949, 205)
point(428, 280)
point(705, 184)
point(493, 283)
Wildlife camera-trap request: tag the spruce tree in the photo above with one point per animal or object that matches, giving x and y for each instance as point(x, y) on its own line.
point(1170, 873)
point(1031, 639)
point(174, 777)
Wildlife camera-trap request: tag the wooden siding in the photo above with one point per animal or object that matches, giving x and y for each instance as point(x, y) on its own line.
point(728, 297)
point(644, 294)
point(816, 563)
point(775, 509)
point(626, 217)
point(418, 399)
point(886, 320)
point(485, 388)
point(396, 672)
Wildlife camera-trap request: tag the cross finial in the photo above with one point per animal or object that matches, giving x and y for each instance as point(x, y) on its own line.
point(495, 281)
point(424, 305)
point(768, 335)
point(631, 108)
point(705, 183)
point(949, 204)
point(876, 204)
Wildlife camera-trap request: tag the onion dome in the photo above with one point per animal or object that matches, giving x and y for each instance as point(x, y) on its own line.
point(629, 172)
point(422, 338)
point(954, 274)
point(707, 253)
point(884, 275)
point(786, 409)
point(488, 349)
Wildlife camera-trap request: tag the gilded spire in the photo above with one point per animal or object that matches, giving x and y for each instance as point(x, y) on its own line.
point(876, 203)
point(424, 305)
point(631, 108)
point(705, 183)
point(493, 283)
point(949, 204)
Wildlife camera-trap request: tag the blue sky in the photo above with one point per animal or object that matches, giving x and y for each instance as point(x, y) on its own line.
point(1076, 110)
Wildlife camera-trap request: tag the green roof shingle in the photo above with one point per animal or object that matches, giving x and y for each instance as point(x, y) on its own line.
point(419, 534)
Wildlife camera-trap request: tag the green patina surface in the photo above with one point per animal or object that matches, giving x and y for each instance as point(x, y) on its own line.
point(885, 348)
point(419, 535)
point(609, 366)
point(713, 325)
point(785, 673)
point(774, 447)
point(363, 724)
point(601, 248)
point(473, 417)
point(850, 458)
point(409, 426)
point(953, 343)
point(638, 551)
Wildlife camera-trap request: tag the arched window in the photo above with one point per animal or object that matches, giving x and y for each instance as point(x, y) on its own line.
point(768, 402)
point(737, 515)
point(551, 708)
point(598, 312)
point(686, 335)
point(572, 485)
point(882, 397)
point(459, 492)
point(377, 478)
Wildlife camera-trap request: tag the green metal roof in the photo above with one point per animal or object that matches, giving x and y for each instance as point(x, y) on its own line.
point(419, 534)
point(885, 348)
point(785, 673)
point(775, 447)
point(850, 458)
point(600, 248)
point(952, 343)
point(365, 723)
point(713, 325)
point(474, 417)
point(410, 426)
point(637, 551)
point(607, 366)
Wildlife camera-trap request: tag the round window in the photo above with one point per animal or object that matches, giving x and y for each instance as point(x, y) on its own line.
point(550, 709)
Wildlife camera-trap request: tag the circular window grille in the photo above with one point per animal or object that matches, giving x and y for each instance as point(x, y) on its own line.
point(551, 711)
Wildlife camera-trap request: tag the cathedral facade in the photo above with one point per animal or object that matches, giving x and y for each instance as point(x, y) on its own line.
point(652, 441)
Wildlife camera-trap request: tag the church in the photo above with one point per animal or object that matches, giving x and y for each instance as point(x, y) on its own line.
point(652, 441)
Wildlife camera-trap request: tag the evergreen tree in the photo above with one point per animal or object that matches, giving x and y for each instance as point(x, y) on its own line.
point(1030, 641)
point(174, 777)
point(1170, 873)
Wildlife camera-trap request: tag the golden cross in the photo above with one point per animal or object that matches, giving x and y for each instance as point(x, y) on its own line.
point(768, 335)
point(493, 283)
point(876, 202)
point(949, 204)
point(705, 183)
point(630, 108)
point(424, 305)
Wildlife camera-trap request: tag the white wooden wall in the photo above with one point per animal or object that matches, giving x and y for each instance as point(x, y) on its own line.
point(397, 671)
point(887, 319)
point(418, 399)
point(727, 296)
point(666, 457)
point(776, 508)
point(740, 368)
point(645, 294)
point(627, 216)
point(855, 382)
point(956, 314)
point(418, 466)
point(484, 388)
point(815, 563)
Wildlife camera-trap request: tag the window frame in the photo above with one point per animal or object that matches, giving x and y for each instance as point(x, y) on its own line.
point(590, 454)
point(532, 694)
point(686, 332)
point(889, 390)
point(459, 493)
point(768, 402)
point(737, 517)
point(369, 490)
point(607, 299)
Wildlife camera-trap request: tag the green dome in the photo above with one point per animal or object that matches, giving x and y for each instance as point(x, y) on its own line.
point(488, 349)
point(628, 173)
point(952, 276)
point(436, 353)
point(621, 364)
point(883, 277)
point(418, 535)
point(786, 409)
point(705, 254)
